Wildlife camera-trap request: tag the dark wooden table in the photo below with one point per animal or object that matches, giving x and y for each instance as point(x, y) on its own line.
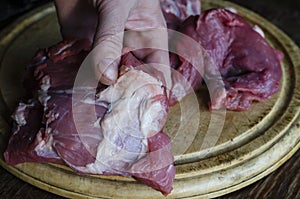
point(283, 183)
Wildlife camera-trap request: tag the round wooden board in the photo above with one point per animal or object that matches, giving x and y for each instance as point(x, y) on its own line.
point(215, 152)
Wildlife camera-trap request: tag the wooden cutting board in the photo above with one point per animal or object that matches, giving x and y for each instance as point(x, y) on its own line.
point(215, 152)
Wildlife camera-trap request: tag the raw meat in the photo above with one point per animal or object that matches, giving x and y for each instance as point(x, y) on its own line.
point(175, 12)
point(73, 126)
point(181, 8)
point(64, 130)
point(50, 71)
point(185, 78)
point(117, 130)
point(249, 66)
point(137, 111)
point(156, 168)
point(47, 71)
point(28, 142)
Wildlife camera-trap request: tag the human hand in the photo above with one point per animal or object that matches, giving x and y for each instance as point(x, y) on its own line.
point(104, 22)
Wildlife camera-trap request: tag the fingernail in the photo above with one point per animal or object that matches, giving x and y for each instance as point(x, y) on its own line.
point(108, 71)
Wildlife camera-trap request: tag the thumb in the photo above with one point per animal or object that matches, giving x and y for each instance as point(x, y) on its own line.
point(108, 39)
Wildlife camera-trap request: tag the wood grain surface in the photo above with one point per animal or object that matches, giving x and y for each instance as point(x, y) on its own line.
point(283, 183)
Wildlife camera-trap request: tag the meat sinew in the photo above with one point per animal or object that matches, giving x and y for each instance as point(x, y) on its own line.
point(137, 111)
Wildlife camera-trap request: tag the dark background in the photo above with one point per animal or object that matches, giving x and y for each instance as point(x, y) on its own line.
point(283, 183)
point(283, 13)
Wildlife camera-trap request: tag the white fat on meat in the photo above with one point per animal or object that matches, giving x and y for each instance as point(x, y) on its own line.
point(257, 29)
point(43, 92)
point(18, 115)
point(191, 9)
point(44, 144)
point(231, 9)
point(170, 6)
point(137, 111)
point(45, 84)
point(182, 8)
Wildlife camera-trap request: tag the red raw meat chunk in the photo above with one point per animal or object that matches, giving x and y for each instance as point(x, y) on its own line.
point(75, 140)
point(55, 68)
point(249, 66)
point(156, 169)
point(185, 78)
point(66, 131)
point(29, 142)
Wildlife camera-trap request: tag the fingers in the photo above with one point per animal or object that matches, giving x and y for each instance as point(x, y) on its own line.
point(148, 35)
point(104, 21)
point(147, 30)
point(108, 39)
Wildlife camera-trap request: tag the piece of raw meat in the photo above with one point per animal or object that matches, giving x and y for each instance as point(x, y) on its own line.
point(55, 68)
point(185, 77)
point(93, 134)
point(29, 142)
point(73, 123)
point(249, 66)
point(138, 110)
point(51, 69)
point(175, 12)
point(156, 168)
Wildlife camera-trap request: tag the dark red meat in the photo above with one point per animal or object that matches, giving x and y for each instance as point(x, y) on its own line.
point(157, 164)
point(55, 68)
point(29, 142)
point(63, 129)
point(249, 66)
point(177, 11)
point(75, 140)
point(185, 78)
